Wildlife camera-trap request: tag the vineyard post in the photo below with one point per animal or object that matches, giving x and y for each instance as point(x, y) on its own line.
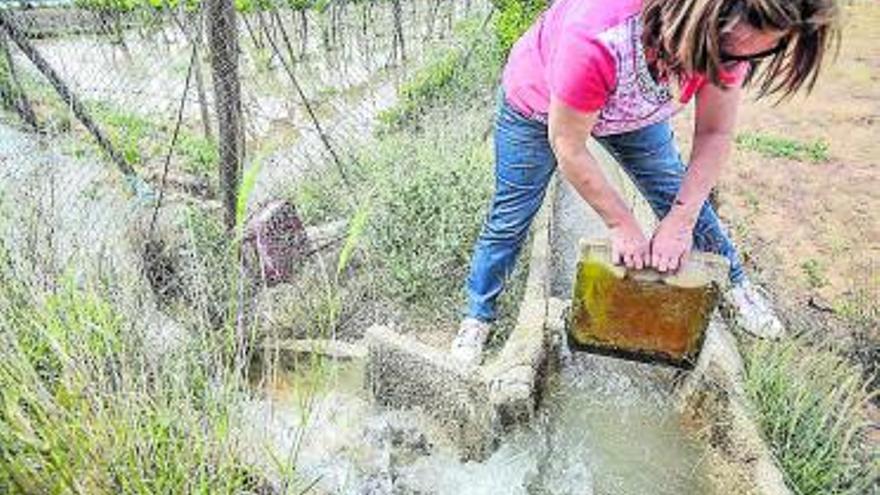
point(223, 43)
point(398, 46)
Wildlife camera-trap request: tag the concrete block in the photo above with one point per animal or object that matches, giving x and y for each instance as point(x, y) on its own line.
point(404, 373)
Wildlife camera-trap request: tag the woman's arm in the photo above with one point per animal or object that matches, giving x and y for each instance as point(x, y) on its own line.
point(569, 130)
point(716, 111)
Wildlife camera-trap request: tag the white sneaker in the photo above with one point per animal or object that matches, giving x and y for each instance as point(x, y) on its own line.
point(752, 311)
point(467, 347)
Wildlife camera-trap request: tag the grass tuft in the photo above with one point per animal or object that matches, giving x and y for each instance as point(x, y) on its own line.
point(811, 405)
point(84, 408)
point(779, 147)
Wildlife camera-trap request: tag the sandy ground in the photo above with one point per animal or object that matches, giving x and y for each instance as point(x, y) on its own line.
point(808, 229)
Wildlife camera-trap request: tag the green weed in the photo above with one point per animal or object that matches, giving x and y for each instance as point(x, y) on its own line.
point(514, 18)
point(87, 405)
point(451, 77)
point(779, 147)
point(83, 409)
point(814, 272)
point(427, 85)
point(200, 155)
point(811, 406)
point(128, 132)
point(428, 180)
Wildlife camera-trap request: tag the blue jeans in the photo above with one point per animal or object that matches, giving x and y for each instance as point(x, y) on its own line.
point(524, 164)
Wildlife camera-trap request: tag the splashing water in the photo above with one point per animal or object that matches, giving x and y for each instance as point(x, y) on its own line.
point(605, 427)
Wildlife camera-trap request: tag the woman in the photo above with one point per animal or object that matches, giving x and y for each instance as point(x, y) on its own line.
point(618, 71)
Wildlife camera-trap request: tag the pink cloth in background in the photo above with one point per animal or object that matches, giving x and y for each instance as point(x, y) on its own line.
point(589, 55)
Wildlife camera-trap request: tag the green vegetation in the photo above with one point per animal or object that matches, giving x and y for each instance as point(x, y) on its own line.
point(427, 194)
point(428, 179)
point(85, 409)
point(514, 18)
point(463, 72)
point(141, 140)
point(779, 147)
point(88, 402)
point(814, 273)
point(110, 5)
point(199, 155)
point(128, 132)
point(449, 78)
point(429, 84)
point(811, 405)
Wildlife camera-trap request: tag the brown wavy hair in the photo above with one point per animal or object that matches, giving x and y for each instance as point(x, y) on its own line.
point(686, 36)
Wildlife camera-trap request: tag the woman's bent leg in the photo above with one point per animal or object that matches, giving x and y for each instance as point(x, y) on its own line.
point(524, 163)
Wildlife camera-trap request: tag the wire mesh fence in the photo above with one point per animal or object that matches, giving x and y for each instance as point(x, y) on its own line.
point(172, 102)
point(205, 179)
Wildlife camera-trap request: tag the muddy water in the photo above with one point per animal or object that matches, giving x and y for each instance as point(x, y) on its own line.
point(601, 430)
point(605, 427)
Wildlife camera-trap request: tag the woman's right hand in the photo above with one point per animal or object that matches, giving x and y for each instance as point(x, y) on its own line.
point(629, 245)
point(569, 130)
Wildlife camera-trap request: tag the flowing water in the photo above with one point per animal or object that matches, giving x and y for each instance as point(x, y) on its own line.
point(604, 427)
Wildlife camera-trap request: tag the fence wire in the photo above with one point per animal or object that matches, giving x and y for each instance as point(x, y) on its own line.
point(131, 125)
point(200, 201)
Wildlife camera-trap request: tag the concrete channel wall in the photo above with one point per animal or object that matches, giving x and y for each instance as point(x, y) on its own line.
point(487, 401)
point(711, 396)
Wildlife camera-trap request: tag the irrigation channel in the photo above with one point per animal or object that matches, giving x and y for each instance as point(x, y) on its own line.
point(603, 426)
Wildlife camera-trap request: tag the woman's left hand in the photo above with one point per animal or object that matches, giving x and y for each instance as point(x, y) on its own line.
point(671, 242)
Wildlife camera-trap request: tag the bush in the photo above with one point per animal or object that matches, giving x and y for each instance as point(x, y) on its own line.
point(430, 200)
point(428, 179)
point(811, 406)
point(427, 192)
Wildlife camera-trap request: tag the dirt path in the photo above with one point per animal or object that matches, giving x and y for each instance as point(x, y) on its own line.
point(800, 192)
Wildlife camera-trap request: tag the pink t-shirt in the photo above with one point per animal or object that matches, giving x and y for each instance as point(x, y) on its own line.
point(589, 55)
